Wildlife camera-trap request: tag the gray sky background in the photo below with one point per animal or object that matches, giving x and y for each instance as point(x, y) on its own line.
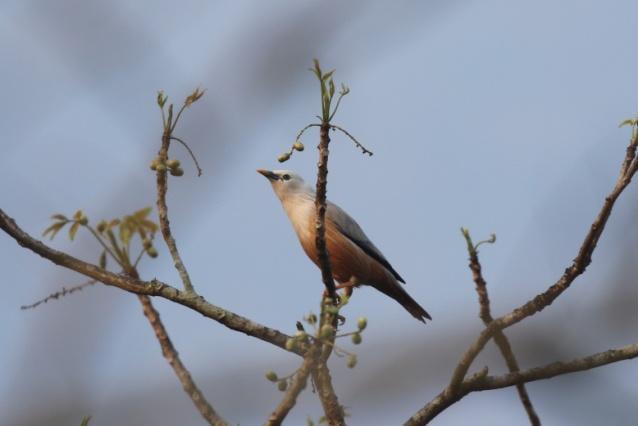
point(498, 116)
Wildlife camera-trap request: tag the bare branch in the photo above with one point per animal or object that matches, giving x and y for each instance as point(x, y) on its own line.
point(578, 266)
point(453, 392)
point(481, 381)
point(356, 142)
point(321, 373)
point(199, 169)
point(59, 294)
point(301, 132)
point(149, 288)
point(499, 337)
point(162, 208)
point(557, 368)
point(320, 206)
point(298, 384)
point(171, 355)
point(327, 395)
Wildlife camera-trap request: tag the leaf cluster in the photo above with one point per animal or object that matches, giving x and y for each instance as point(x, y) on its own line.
point(327, 92)
point(114, 235)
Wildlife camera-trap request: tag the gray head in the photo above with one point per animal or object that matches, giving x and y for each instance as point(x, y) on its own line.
point(285, 182)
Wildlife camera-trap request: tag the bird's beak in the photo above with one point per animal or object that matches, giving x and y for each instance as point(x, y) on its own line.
point(270, 175)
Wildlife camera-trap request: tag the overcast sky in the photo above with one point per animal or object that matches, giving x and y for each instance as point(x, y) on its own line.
point(497, 116)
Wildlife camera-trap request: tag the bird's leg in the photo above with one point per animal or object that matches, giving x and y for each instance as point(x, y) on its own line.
point(348, 286)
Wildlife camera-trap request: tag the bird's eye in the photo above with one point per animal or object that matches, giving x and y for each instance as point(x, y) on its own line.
point(286, 177)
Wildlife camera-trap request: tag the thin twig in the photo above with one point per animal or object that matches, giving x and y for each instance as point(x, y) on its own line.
point(59, 294)
point(356, 142)
point(301, 132)
point(139, 257)
point(199, 169)
point(482, 382)
point(298, 384)
point(103, 244)
point(499, 337)
point(177, 117)
point(149, 288)
point(162, 187)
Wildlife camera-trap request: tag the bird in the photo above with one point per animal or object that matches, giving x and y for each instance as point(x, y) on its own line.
point(354, 259)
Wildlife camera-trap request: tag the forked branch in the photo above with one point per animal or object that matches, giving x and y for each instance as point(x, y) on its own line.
point(454, 391)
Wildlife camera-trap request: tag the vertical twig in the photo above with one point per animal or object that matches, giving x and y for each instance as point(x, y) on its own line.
point(499, 337)
point(321, 373)
point(162, 208)
point(320, 206)
point(296, 387)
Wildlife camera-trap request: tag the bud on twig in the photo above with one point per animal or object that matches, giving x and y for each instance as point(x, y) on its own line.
point(284, 157)
point(362, 323)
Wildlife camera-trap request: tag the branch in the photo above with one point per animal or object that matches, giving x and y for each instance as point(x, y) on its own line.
point(321, 372)
point(452, 392)
point(296, 387)
point(499, 337)
point(578, 266)
point(320, 206)
point(162, 208)
point(59, 294)
point(188, 148)
point(363, 149)
point(327, 395)
point(171, 355)
point(482, 382)
point(148, 288)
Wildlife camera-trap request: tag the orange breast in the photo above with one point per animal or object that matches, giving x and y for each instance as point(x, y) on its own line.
point(346, 258)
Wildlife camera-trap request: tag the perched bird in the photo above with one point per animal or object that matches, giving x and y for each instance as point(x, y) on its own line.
point(354, 259)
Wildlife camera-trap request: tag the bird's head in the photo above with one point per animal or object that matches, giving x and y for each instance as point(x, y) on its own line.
point(284, 182)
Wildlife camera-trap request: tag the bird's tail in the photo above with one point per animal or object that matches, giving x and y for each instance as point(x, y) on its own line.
point(397, 292)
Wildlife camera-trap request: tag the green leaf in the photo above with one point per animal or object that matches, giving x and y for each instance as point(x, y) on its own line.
point(628, 122)
point(141, 214)
point(317, 68)
point(331, 85)
point(142, 233)
point(170, 115)
point(125, 233)
point(194, 97)
point(74, 230)
point(161, 98)
point(60, 217)
point(149, 225)
point(54, 229)
point(78, 215)
point(85, 421)
point(327, 75)
point(103, 260)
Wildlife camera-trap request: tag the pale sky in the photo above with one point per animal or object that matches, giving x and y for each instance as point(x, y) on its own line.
point(497, 116)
